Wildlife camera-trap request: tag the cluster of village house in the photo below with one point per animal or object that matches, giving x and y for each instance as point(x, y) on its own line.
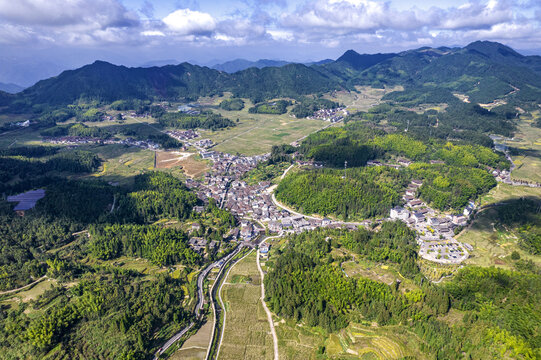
point(436, 231)
point(332, 115)
point(254, 202)
point(83, 140)
point(183, 135)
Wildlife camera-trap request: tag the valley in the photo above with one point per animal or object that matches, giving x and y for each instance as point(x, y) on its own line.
point(334, 211)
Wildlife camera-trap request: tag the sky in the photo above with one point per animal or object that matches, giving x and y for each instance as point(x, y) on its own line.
point(39, 38)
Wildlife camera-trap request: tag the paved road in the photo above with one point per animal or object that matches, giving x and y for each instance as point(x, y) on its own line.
point(269, 315)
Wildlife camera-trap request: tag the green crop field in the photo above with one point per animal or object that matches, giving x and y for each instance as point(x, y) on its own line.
point(504, 192)
point(247, 331)
point(528, 164)
point(363, 99)
point(493, 247)
point(20, 137)
point(257, 133)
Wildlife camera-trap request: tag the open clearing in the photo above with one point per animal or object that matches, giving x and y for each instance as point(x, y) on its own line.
point(492, 246)
point(193, 166)
point(122, 162)
point(354, 342)
point(170, 159)
point(31, 293)
point(247, 333)
point(364, 342)
point(504, 192)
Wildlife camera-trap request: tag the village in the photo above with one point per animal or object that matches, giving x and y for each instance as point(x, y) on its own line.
point(85, 140)
point(332, 115)
point(258, 210)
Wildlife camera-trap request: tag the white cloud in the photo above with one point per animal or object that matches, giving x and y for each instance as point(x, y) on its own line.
point(152, 33)
point(475, 16)
point(55, 13)
point(351, 15)
point(281, 35)
point(188, 22)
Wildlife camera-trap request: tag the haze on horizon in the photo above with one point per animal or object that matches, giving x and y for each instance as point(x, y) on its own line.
point(39, 38)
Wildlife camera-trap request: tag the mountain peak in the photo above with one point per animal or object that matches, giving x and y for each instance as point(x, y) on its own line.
point(362, 61)
point(493, 49)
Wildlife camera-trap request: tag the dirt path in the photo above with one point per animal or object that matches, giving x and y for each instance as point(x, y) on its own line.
point(269, 315)
point(285, 172)
point(23, 287)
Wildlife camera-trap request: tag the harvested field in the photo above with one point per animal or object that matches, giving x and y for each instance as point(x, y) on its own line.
point(193, 166)
point(196, 346)
point(170, 159)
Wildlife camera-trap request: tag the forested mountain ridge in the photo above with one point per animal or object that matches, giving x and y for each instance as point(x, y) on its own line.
point(483, 71)
point(107, 82)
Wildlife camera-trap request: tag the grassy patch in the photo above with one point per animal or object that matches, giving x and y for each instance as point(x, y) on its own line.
point(363, 99)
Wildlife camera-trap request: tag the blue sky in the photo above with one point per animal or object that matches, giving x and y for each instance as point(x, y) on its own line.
point(61, 34)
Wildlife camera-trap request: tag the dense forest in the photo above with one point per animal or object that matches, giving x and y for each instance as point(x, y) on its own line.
point(108, 311)
point(363, 193)
point(277, 107)
point(28, 167)
point(205, 120)
point(232, 104)
point(451, 187)
point(501, 309)
point(452, 173)
point(107, 314)
point(162, 246)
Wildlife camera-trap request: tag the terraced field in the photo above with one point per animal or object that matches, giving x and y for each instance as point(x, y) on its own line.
point(247, 332)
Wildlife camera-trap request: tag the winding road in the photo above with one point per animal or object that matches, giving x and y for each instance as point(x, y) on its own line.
point(201, 301)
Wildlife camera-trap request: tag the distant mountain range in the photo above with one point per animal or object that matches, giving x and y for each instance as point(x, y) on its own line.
point(242, 64)
point(10, 88)
point(482, 70)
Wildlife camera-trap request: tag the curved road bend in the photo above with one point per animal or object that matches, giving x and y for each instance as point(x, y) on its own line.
point(198, 307)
